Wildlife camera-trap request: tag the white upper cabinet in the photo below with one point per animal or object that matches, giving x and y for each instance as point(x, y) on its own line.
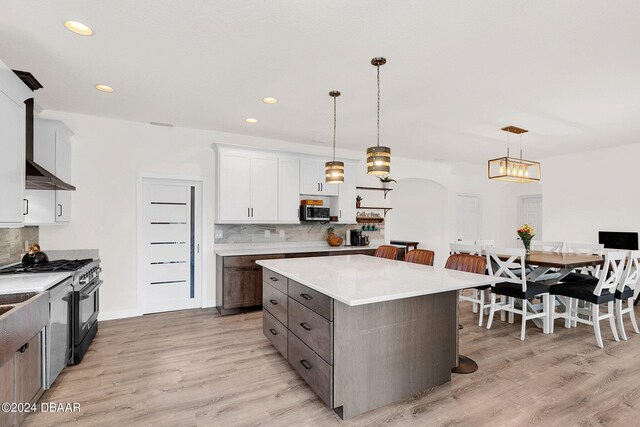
point(52, 151)
point(264, 187)
point(288, 190)
point(13, 93)
point(347, 195)
point(312, 179)
point(234, 185)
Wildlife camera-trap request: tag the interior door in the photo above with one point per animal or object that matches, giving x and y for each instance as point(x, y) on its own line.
point(469, 218)
point(530, 212)
point(172, 239)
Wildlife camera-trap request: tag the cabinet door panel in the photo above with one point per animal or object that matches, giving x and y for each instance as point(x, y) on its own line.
point(234, 186)
point(288, 189)
point(310, 176)
point(264, 187)
point(240, 287)
point(7, 391)
point(40, 207)
point(29, 371)
point(12, 160)
point(63, 171)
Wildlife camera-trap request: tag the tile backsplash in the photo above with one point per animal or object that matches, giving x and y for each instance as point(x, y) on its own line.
point(305, 232)
point(12, 243)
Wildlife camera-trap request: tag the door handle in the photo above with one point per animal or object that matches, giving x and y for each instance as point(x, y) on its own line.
point(248, 212)
point(60, 210)
point(321, 187)
point(305, 326)
point(318, 186)
point(340, 213)
point(26, 212)
point(306, 296)
point(251, 212)
point(306, 364)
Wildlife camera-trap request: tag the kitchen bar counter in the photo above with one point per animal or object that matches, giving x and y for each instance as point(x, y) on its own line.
point(18, 283)
point(243, 251)
point(364, 332)
point(360, 279)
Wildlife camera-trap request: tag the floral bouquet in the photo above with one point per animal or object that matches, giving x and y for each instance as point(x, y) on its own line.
point(526, 234)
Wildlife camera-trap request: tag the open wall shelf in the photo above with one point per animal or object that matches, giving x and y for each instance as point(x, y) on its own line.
point(375, 208)
point(386, 190)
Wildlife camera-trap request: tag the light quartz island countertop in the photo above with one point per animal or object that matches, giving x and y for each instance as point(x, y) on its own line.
point(18, 283)
point(359, 279)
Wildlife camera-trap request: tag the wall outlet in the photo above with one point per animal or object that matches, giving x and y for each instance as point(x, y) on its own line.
point(267, 233)
point(281, 233)
point(218, 234)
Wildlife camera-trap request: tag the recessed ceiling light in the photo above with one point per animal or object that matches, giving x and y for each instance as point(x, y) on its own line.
point(251, 120)
point(78, 28)
point(269, 100)
point(104, 88)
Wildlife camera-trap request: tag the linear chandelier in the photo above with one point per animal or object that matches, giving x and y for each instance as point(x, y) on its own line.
point(514, 169)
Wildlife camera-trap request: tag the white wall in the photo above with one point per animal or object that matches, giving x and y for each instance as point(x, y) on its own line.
point(591, 191)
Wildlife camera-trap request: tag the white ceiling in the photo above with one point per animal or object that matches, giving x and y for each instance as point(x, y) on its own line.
point(457, 71)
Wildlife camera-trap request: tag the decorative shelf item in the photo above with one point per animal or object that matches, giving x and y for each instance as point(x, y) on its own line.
point(386, 190)
point(376, 208)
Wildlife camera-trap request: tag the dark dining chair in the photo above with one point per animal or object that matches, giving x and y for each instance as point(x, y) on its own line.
point(386, 251)
point(471, 264)
point(420, 256)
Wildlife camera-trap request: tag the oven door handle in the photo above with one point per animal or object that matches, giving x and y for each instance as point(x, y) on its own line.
point(86, 293)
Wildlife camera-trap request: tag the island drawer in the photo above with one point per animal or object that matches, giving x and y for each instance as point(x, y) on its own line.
point(315, 371)
point(275, 332)
point(274, 279)
point(275, 302)
point(314, 330)
point(320, 303)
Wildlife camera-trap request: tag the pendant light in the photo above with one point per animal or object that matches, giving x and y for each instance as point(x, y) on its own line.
point(333, 170)
point(514, 169)
point(378, 157)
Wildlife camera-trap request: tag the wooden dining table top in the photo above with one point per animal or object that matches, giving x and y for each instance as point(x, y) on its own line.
point(561, 260)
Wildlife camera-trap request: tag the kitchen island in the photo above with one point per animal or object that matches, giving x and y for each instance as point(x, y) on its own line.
point(362, 331)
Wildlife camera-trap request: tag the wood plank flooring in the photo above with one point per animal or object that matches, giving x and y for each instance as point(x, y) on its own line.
point(194, 368)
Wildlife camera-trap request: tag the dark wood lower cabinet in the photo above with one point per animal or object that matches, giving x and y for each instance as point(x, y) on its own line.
point(239, 278)
point(7, 391)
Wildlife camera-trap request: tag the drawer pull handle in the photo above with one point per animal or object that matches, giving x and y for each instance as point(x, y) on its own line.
point(305, 326)
point(273, 332)
point(306, 364)
point(274, 302)
point(273, 279)
point(306, 296)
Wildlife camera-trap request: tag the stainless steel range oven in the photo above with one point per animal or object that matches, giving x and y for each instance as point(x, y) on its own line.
point(86, 307)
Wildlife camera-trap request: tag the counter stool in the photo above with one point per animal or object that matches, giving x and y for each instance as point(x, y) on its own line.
point(420, 256)
point(386, 251)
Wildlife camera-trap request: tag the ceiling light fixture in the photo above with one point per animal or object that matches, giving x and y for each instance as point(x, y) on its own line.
point(333, 170)
point(104, 88)
point(269, 100)
point(514, 169)
point(78, 28)
point(378, 157)
point(251, 120)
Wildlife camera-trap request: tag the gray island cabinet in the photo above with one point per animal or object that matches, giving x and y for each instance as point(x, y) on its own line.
point(364, 332)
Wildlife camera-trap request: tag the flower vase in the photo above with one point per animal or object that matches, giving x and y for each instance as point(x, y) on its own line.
point(527, 246)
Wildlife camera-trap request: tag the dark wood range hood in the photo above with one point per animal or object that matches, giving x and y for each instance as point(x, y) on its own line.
point(38, 178)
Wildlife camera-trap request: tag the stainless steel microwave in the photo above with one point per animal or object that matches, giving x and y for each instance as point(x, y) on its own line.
point(314, 213)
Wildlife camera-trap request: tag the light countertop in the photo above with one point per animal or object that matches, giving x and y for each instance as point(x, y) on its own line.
point(18, 283)
point(360, 279)
point(291, 249)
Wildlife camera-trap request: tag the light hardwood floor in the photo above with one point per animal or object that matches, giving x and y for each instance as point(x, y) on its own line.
point(194, 368)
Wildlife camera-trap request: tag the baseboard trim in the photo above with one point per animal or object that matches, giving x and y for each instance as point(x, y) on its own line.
point(122, 314)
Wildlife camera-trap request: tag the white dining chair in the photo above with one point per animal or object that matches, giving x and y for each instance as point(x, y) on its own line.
point(478, 295)
point(594, 291)
point(625, 293)
point(515, 286)
point(541, 245)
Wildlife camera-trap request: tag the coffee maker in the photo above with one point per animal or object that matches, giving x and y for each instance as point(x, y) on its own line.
point(356, 238)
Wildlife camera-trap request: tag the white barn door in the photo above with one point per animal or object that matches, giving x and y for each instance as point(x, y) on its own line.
point(171, 258)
